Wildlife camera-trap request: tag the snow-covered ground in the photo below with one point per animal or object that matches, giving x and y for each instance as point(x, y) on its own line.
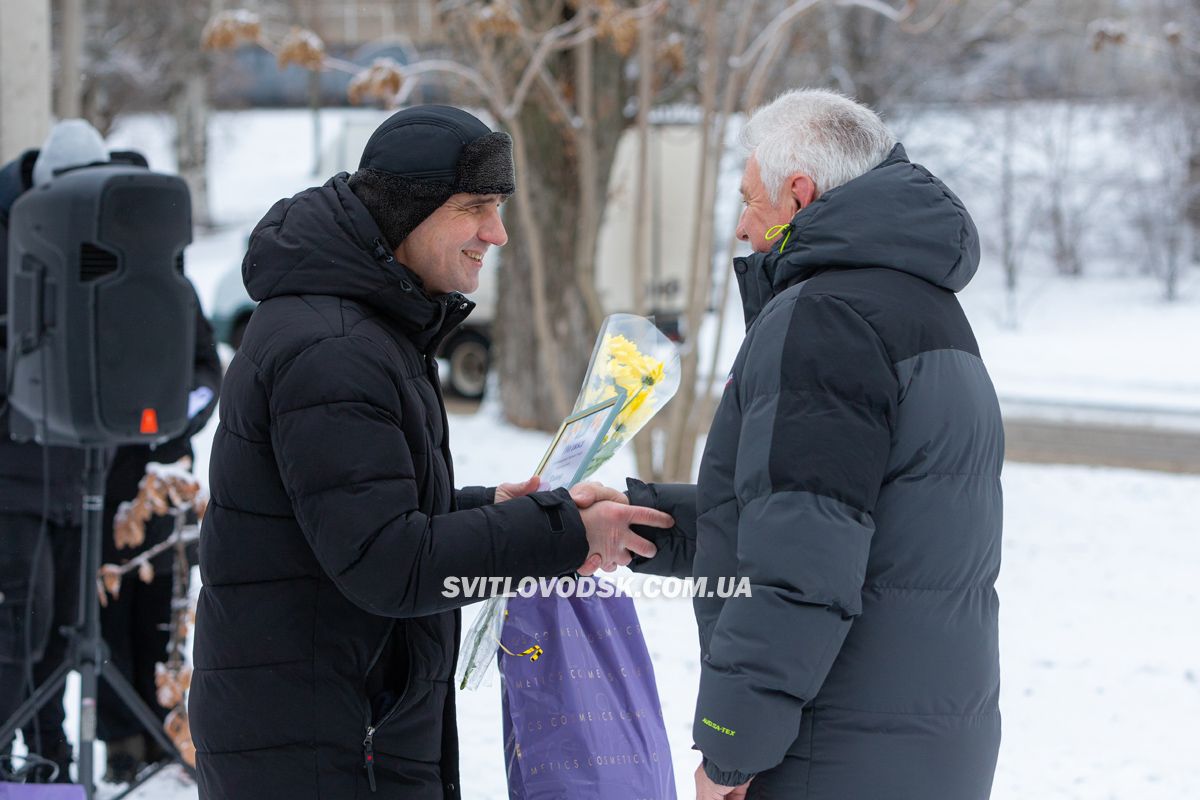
point(1099, 646)
point(1101, 661)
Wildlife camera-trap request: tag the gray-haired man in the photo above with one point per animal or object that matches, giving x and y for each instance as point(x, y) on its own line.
point(852, 473)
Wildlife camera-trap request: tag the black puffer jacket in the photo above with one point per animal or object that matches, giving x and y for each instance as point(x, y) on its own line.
point(852, 474)
point(323, 641)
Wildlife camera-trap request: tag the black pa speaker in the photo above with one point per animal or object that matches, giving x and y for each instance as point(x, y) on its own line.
point(102, 322)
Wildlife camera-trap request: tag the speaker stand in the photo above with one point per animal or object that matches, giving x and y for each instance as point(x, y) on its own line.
point(87, 652)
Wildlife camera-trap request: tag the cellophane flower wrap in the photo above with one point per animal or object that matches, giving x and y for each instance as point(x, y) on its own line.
point(630, 355)
point(633, 356)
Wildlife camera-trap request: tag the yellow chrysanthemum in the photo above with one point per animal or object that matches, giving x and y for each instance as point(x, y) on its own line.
point(622, 366)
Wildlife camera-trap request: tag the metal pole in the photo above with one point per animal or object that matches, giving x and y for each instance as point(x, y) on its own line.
point(91, 659)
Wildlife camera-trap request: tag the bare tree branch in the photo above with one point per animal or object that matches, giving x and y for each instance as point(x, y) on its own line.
point(537, 61)
point(777, 26)
point(931, 20)
point(486, 88)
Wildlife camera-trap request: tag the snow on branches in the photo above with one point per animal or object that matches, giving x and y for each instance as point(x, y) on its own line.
point(380, 81)
point(303, 48)
point(1107, 32)
point(230, 29)
point(497, 18)
point(163, 488)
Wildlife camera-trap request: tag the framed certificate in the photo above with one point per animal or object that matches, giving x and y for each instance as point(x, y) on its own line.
point(577, 440)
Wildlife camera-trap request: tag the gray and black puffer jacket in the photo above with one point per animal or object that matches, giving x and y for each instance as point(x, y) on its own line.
point(325, 650)
point(852, 473)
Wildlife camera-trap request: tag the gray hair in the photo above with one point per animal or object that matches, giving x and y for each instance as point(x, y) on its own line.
point(822, 134)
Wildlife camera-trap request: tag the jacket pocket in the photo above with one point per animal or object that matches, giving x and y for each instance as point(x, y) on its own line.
point(389, 675)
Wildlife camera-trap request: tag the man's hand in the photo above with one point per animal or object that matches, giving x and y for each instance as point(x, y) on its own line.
point(585, 495)
point(588, 494)
point(508, 491)
point(611, 542)
point(707, 790)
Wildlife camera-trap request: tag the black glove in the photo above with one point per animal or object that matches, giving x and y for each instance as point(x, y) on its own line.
point(676, 545)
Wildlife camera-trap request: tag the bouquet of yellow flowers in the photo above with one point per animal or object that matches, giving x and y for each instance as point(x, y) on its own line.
point(633, 361)
point(635, 369)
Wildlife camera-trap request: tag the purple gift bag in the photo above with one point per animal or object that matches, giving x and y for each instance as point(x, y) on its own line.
point(583, 720)
point(40, 791)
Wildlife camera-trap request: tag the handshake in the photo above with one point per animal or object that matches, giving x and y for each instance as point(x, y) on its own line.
point(607, 516)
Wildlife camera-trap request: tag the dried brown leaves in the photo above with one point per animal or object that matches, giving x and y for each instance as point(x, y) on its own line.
point(380, 81)
point(229, 29)
point(498, 18)
point(162, 488)
point(180, 731)
point(303, 48)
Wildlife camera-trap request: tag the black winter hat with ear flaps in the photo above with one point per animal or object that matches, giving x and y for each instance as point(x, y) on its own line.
point(419, 157)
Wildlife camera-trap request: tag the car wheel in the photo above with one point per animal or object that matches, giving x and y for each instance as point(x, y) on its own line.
point(469, 358)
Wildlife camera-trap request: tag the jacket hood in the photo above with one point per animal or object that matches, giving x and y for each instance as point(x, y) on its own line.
point(324, 241)
point(897, 216)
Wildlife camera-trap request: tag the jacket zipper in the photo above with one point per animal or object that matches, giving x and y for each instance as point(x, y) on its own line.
point(368, 742)
point(431, 365)
point(369, 755)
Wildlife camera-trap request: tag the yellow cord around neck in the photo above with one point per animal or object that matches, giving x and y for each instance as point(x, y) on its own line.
point(775, 231)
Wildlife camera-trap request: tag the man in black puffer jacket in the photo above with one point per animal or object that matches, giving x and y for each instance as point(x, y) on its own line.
point(325, 648)
point(852, 475)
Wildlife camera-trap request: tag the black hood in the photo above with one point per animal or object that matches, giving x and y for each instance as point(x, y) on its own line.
point(897, 216)
point(324, 241)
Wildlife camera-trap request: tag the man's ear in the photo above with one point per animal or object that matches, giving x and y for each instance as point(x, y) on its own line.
point(802, 190)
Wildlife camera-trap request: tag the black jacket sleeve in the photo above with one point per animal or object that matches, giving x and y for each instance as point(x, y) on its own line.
point(474, 497)
point(336, 432)
point(677, 544)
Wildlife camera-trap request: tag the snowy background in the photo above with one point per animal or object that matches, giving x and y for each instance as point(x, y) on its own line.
point(1099, 598)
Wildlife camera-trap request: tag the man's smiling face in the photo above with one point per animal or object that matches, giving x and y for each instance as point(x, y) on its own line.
point(446, 250)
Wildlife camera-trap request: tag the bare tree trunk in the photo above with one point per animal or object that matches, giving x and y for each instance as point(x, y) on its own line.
point(590, 205)
point(67, 104)
point(701, 418)
point(681, 449)
point(25, 71)
point(1193, 212)
point(643, 446)
point(314, 107)
point(542, 364)
point(836, 39)
point(1008, 247)
point(189, 106)
point(186, 80)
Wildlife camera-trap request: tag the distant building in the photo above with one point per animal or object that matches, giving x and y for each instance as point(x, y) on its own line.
point(348, 24)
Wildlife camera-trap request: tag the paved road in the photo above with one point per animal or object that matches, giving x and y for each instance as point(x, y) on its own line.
point(1072, 442)
point(1051, 434)
point(460, 405)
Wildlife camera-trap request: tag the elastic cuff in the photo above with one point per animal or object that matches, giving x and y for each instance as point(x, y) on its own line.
point(725, 778)
point(475, 497)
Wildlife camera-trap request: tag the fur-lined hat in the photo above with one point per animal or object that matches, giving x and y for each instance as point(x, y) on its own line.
point(421, 156)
